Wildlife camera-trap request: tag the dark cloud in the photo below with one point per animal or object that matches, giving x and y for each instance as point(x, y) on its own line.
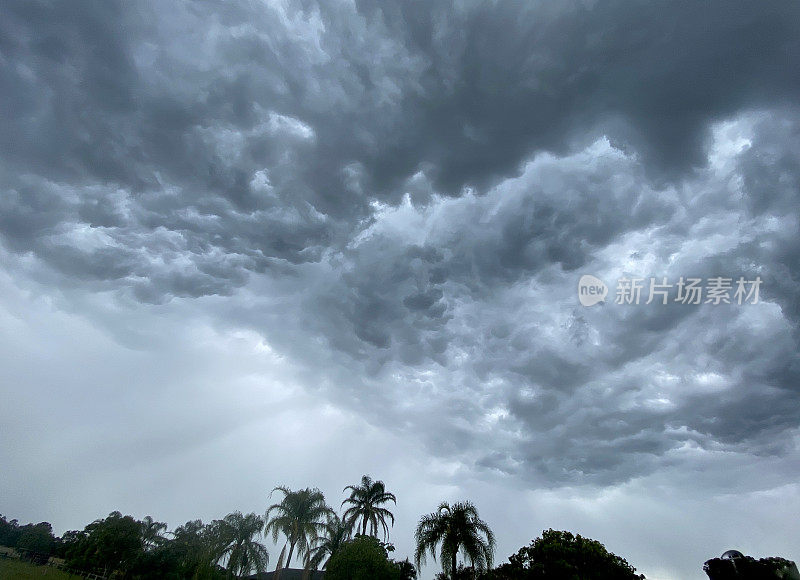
point(343, 105)
point(505, 80)
point(602, 394)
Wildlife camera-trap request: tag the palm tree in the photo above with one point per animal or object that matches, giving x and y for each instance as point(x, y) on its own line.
point(365, 500)
point(300, 516)
point(238, 534)
point(457, 528)
point(197, 549)
point(152, 533)
point(336, 533)
point(407, 570)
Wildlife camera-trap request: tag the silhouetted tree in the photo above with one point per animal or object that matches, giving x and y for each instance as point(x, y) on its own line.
point(407, 570)
point(9, 532)
point(110, 544)
point(333, 538)
point(462, 573)
point(456, 528)
point(152, 533)
point(567, 557)
point(365, 504)
point(741, 567)
point(239, 544)
point(300, 517)
point(196, 549)
point(363, 558)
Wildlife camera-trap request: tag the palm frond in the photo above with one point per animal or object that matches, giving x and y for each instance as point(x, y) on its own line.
point(456, 529)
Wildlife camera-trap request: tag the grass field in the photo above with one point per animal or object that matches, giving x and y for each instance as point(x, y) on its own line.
point(13, 569)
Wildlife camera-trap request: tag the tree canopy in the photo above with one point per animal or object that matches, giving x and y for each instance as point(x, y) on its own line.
point(238, 535)
point(363, 558)
point(122, 546)
point(300, 516)
point(326, 545)
point(365, 503)
point(563, 555)
point(455, 528)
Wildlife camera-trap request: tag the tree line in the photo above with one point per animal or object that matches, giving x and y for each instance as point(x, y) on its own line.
point(352, 545)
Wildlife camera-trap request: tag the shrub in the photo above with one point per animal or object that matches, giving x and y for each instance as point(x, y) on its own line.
point(363, 558)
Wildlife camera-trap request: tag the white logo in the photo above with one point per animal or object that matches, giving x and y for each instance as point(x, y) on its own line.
point(591, 290)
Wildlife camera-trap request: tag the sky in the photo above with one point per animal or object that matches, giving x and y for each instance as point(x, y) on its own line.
point(249, 243)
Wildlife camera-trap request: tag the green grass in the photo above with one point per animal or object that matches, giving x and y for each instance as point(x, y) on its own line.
point(13, 569)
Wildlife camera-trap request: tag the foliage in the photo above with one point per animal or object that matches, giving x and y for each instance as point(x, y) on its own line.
point(194, 550)
point(122, 547)
point(747, 567)
point(335, 534)
point(565, 556)
point(407, 570)
point(362, 558)
point(365, 504)
point(36, 541)
point(110, 544)
point(9, 532)
point(152, 533)
point(238, 534)
point(456, 528)
point(462, 573)
point(300, 517)
point(138, 549)
point(68, 543)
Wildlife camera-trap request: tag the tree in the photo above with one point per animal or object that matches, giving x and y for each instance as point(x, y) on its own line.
point(196, 548)
point(238, 537)
point(67, 542)
point(365, 500)
point(565, 556)
point(734, 565)
point(334, 537)
point(111, 544)
point(407, 570)
point(152, 533)
point(9, 532)
point(458, 529)
point(463, 573)
point(300, 517)
point(36, 541)
point(363, 558)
